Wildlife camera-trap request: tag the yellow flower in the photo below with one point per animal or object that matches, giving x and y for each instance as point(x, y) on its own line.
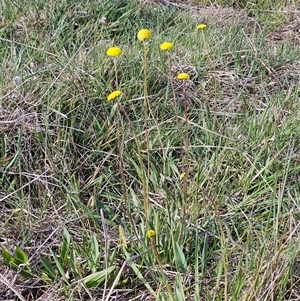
point(183, 76)
point(181, 177)
point(166, 46)
point(144, 34)
point(114, 95)
point(201, 26)
point(151, 233)
point(113, 51)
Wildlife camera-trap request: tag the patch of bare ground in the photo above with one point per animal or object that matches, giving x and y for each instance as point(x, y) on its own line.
point(218, 15)
point(287, 32)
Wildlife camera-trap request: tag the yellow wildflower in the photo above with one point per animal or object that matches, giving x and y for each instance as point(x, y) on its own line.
point(166, 46)
point(181, 177)
point(113, 51)
point(183, 76)
point(201, 26)
point(114, 95)
point(151, 233)
point(144, 34)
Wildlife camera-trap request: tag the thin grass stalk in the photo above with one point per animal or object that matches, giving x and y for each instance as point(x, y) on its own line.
point(224, 254)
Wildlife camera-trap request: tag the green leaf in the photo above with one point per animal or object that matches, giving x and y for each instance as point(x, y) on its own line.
point(65, 246)
point(73, 263)
point(95, 248)
point(8, 258)
point(17, 264)
point(95, 253)
point(59, 266)
point(21, 255)
point(48, 268)
point(97, 278)
point(180, 258)
point(204, 254)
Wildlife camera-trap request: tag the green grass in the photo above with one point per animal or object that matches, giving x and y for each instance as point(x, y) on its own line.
point(70, 231)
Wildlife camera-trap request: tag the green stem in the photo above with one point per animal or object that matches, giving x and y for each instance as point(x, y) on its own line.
point(158, 258)
point(140, 158)
point(186, 178)
point(146, 110)
point(175, 104)
point(116, 74)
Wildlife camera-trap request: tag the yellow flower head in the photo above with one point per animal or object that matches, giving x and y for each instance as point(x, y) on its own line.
point(151, 233)
point(181, 177)
point(166, 46)
point(201, 26)
point(113, 51)
point(114, 95)
point(183, 76)
point(144, 34)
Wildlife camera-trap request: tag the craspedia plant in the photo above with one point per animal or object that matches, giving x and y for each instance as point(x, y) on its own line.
point(113, 95)
point(166, 46)
point(183, 76)
point(114, 51)
point(151, 233)
point(144, 34)
point(201, 26)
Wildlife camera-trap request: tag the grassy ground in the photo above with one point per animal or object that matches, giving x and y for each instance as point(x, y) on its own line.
point(210, 164)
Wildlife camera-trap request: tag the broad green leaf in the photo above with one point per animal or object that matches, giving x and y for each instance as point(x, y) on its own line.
point(180, 258)
point(59, 266)
point(179, 294)
point(8, 258)
point(17, 264)
point(48, 268)
point(95, 248)
point(94, 254)
point(65, 246)
point(97, 278)
point(21, 255)
point(73, 263)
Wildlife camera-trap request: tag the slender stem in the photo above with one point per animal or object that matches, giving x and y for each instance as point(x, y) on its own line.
point(158, 258)
point(116, 74)
point(186, 178)
point(175, 104)
point(120, 152)
point(140, 158)
point(186, 135)
point(121, 165)
point(146, 110)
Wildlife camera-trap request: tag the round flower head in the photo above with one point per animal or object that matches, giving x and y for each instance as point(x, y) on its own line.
point(183, 76)
point(166, 46)
point(182, 176)
point(113, 51)
point(114, 95)
point(144, 34)
point(151, 233)
point(201, 26)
